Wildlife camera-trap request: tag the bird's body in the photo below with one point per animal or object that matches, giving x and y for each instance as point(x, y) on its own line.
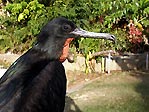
point(36, 82)
point(42, 84)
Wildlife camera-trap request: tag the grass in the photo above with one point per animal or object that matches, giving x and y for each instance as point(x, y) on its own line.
point(119, 92)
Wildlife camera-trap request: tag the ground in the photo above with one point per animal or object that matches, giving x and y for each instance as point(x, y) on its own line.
point(117, 92)
point(76, 80)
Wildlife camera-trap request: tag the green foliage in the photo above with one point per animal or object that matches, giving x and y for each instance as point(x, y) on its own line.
point(23, 24)
point(26, 17)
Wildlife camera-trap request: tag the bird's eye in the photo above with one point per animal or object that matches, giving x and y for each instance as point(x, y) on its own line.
point(67, 28)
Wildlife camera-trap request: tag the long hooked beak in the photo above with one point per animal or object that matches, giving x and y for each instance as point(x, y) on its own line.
point(83, 33)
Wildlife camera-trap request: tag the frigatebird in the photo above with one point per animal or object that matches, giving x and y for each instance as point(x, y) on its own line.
point(36, 81)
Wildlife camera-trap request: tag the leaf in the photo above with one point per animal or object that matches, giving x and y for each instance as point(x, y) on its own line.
point(20, 17)
point(145, 22)
point(26, 11)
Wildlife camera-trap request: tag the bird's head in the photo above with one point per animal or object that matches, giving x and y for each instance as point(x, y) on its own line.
point(57, 34)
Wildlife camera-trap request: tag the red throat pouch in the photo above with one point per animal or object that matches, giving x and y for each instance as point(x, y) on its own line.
point(65, 50)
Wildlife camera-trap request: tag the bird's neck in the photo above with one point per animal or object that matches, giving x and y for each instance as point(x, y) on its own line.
point(52, 52)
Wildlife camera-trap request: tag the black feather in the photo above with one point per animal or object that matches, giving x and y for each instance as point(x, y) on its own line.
point(36, 82)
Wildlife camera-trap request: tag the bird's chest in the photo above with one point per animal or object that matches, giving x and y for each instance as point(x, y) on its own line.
point(46, 92)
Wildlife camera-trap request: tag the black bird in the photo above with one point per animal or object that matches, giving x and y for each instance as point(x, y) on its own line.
point(36, 81)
